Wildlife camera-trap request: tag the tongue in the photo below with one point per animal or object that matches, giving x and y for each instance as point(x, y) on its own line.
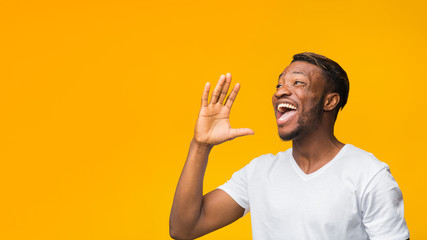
point(287, 115)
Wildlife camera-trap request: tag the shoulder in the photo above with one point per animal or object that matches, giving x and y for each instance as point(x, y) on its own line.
point(361, 161)
point(358, 168)
point(264, 164)
point(265, 161)
point(270, 159)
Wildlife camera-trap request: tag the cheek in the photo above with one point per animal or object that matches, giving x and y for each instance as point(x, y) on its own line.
point(310, 98)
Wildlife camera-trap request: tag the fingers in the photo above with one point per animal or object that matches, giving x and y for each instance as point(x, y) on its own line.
point(230, 99)
point(239, 132)
point(217, 91)
point(205, 94)
point(225, 88)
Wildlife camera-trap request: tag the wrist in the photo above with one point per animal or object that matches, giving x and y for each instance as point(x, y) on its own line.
point(201, 145)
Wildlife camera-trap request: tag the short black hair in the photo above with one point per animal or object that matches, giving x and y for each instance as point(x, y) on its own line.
point(335, 75)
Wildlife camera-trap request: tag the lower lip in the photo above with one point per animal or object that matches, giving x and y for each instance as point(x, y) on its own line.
point(285, 117)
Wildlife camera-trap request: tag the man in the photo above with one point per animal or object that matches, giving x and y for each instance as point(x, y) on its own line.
point(321, 188)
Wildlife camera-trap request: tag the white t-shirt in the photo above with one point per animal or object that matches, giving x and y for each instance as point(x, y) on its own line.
point(353, 196)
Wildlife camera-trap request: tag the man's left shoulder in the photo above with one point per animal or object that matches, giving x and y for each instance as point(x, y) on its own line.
point(358, 159)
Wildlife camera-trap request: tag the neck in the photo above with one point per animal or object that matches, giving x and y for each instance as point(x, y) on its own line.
point(313, 151)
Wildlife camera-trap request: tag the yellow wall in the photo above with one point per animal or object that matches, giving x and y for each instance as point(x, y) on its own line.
point(98, 101)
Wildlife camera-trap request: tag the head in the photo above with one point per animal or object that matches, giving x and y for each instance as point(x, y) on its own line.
point(309, 94)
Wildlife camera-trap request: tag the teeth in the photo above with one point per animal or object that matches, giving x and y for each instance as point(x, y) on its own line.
point(286, 105)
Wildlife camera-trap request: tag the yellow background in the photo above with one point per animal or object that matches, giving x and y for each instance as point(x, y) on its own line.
point(98, 101)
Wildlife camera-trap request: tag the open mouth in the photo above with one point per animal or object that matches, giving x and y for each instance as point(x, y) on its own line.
point(285, 111)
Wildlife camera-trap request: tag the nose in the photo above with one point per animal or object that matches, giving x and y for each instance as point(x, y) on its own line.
point(282, 91)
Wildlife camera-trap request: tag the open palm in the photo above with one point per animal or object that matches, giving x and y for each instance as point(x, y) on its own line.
point(213, 125)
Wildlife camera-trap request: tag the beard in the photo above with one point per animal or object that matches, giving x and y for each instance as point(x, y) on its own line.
point(306, 122)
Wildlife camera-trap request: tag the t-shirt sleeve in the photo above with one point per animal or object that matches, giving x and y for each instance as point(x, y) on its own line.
point(382, 208)
point(237, 186)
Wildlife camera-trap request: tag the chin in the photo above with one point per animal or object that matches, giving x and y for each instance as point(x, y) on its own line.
point(288, 136)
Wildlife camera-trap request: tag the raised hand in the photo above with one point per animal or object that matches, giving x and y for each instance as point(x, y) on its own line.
point(213, 125)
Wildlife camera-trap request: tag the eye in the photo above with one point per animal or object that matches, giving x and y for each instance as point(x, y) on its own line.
point(298, 83)
point(278, 85)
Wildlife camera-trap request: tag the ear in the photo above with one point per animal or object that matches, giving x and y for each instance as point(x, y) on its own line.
point(331, 101)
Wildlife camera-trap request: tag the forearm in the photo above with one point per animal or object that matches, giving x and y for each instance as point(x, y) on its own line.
point(187, 204)
point(192, 214)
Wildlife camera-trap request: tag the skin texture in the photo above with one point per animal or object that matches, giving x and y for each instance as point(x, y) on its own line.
point(299, 85)
point(311, 129)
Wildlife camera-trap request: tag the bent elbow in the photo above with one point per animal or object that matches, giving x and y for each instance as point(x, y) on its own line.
point(173, 234)
point(178, 235)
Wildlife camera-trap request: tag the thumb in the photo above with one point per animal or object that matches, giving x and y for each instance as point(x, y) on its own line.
point(239, 132)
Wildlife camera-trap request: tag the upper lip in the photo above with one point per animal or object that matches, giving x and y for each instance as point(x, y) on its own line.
point(285, 102)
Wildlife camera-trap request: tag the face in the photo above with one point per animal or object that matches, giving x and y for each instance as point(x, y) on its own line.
point(298, 101)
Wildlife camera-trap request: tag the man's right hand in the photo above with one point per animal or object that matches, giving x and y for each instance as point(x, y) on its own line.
point(192, 214)
point(213, 125)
